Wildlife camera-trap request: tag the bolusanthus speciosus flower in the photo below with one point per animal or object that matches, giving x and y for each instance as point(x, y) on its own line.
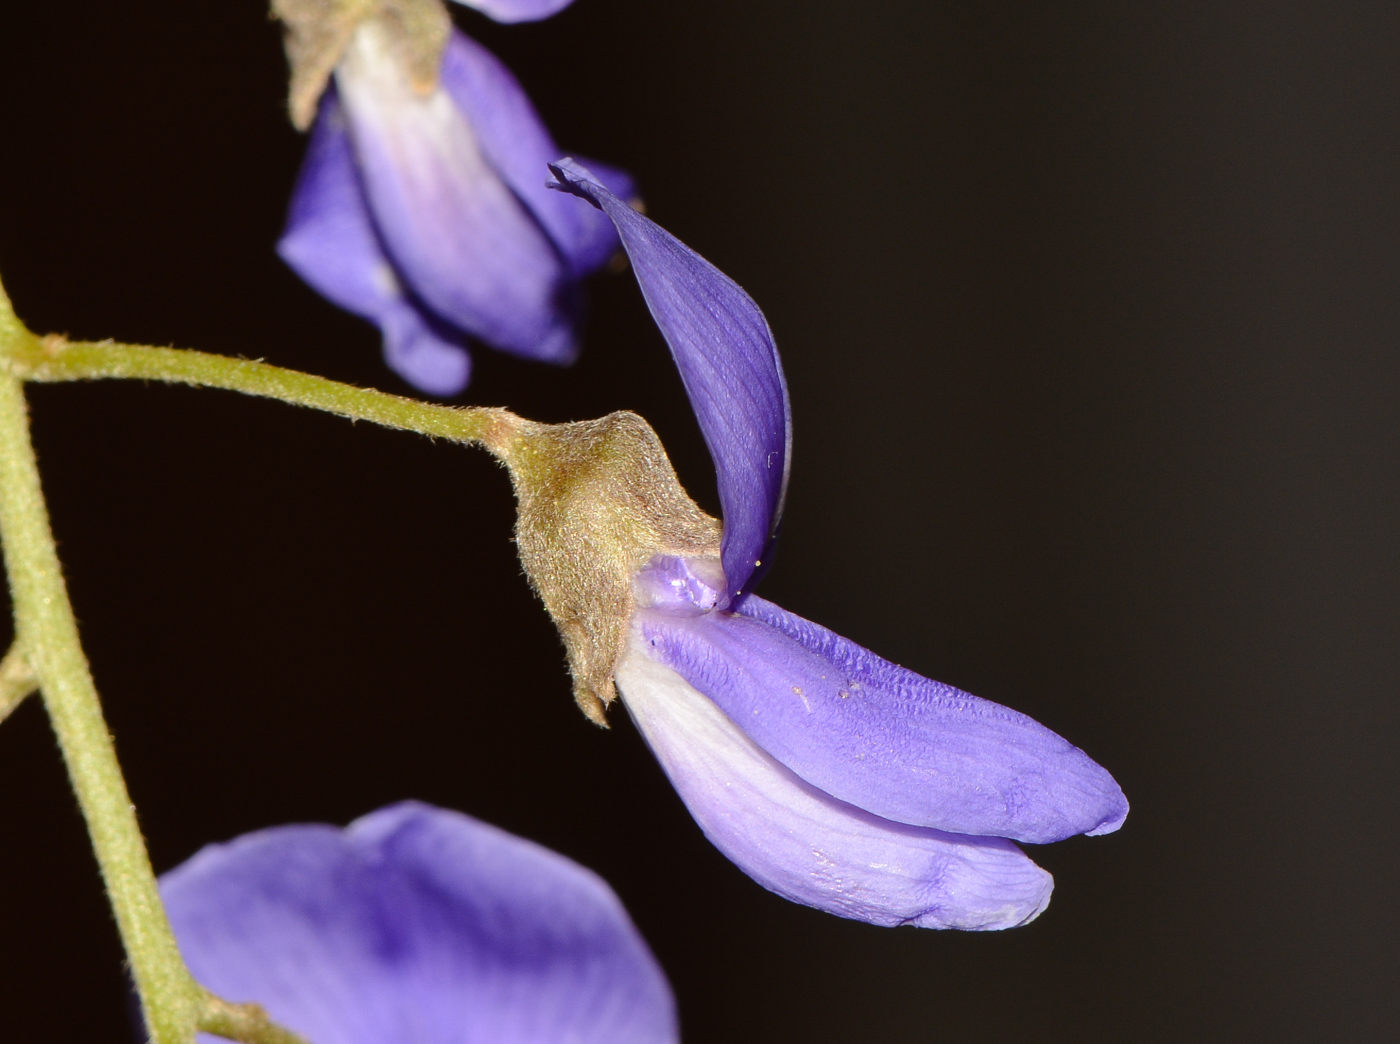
point(419, 205)
point(829, 775)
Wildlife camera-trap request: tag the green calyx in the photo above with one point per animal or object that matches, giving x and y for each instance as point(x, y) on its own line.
point(319, 31)
point(597, 501)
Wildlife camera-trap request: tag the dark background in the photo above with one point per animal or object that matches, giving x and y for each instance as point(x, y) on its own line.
point(1090, 316)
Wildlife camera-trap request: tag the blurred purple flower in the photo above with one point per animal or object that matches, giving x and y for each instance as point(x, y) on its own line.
point(417, 924)
point(427, 213)
point(830, 776)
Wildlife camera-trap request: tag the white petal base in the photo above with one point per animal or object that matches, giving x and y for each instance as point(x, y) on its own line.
point(805, 845)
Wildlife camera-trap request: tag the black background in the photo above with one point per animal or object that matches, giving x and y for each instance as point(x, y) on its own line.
point(1090, 317)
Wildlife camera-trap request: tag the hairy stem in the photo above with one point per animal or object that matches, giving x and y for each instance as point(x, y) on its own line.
point(45, 625)
point(56, 359)
point(48, 653)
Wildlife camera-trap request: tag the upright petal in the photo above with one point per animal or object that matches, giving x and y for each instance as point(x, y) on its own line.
point(730, 367)
point(515, 140)
point(455, 232)
point(330, 242)
point(417, 924)
point(517, 10)
point(878, 736)
point(803, 844)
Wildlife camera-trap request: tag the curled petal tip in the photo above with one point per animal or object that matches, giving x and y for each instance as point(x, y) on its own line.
point(568, 175)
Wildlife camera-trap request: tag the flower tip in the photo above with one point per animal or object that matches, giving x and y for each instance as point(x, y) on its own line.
point(1020, 919)
point(991, 904)
point(1113, 820)
point(574, 178)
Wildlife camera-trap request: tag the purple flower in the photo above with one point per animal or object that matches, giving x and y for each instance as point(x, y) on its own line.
point(830, 776)
point(426, 212)
point(417, 924)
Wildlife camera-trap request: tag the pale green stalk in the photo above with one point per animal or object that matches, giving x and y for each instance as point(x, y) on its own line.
point(56, 359)
point(44, 624)
point(49, 656)
point(48, 653)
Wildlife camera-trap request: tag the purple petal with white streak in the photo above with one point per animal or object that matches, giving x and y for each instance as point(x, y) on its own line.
point(330, 242)
point(458, 237)
point(417, 924)
point(805, 845)
point(515, 140)
point(517, 10)
point(872, 733)
point(730, 367)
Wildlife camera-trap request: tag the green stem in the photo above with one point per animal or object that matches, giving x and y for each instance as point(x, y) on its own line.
point(47, 650)
point(17, 680)
point(55, 359)
point(170, 998)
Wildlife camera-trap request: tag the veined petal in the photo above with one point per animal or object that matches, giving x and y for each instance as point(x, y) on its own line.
point(805, 845)
point(330, 242)
point(730, 367)
point(517, 10)
point(417, 924)
point(880, 737)
point(515, 140)
point(455, 232)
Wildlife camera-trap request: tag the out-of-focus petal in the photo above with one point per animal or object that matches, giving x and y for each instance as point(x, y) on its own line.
point(456, 234)
point(805, 845)
point(517, 10)
point(426, 358)
point(330, 242)
point(730, 366)
point(519, 147)
point(417, 924)
point(881, 737)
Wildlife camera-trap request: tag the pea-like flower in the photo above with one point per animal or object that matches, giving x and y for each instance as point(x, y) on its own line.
point(829, 775)
point(417, 924)
point(420, 204)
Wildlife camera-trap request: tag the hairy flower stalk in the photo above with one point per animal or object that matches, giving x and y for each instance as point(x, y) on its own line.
point(174, 1006)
